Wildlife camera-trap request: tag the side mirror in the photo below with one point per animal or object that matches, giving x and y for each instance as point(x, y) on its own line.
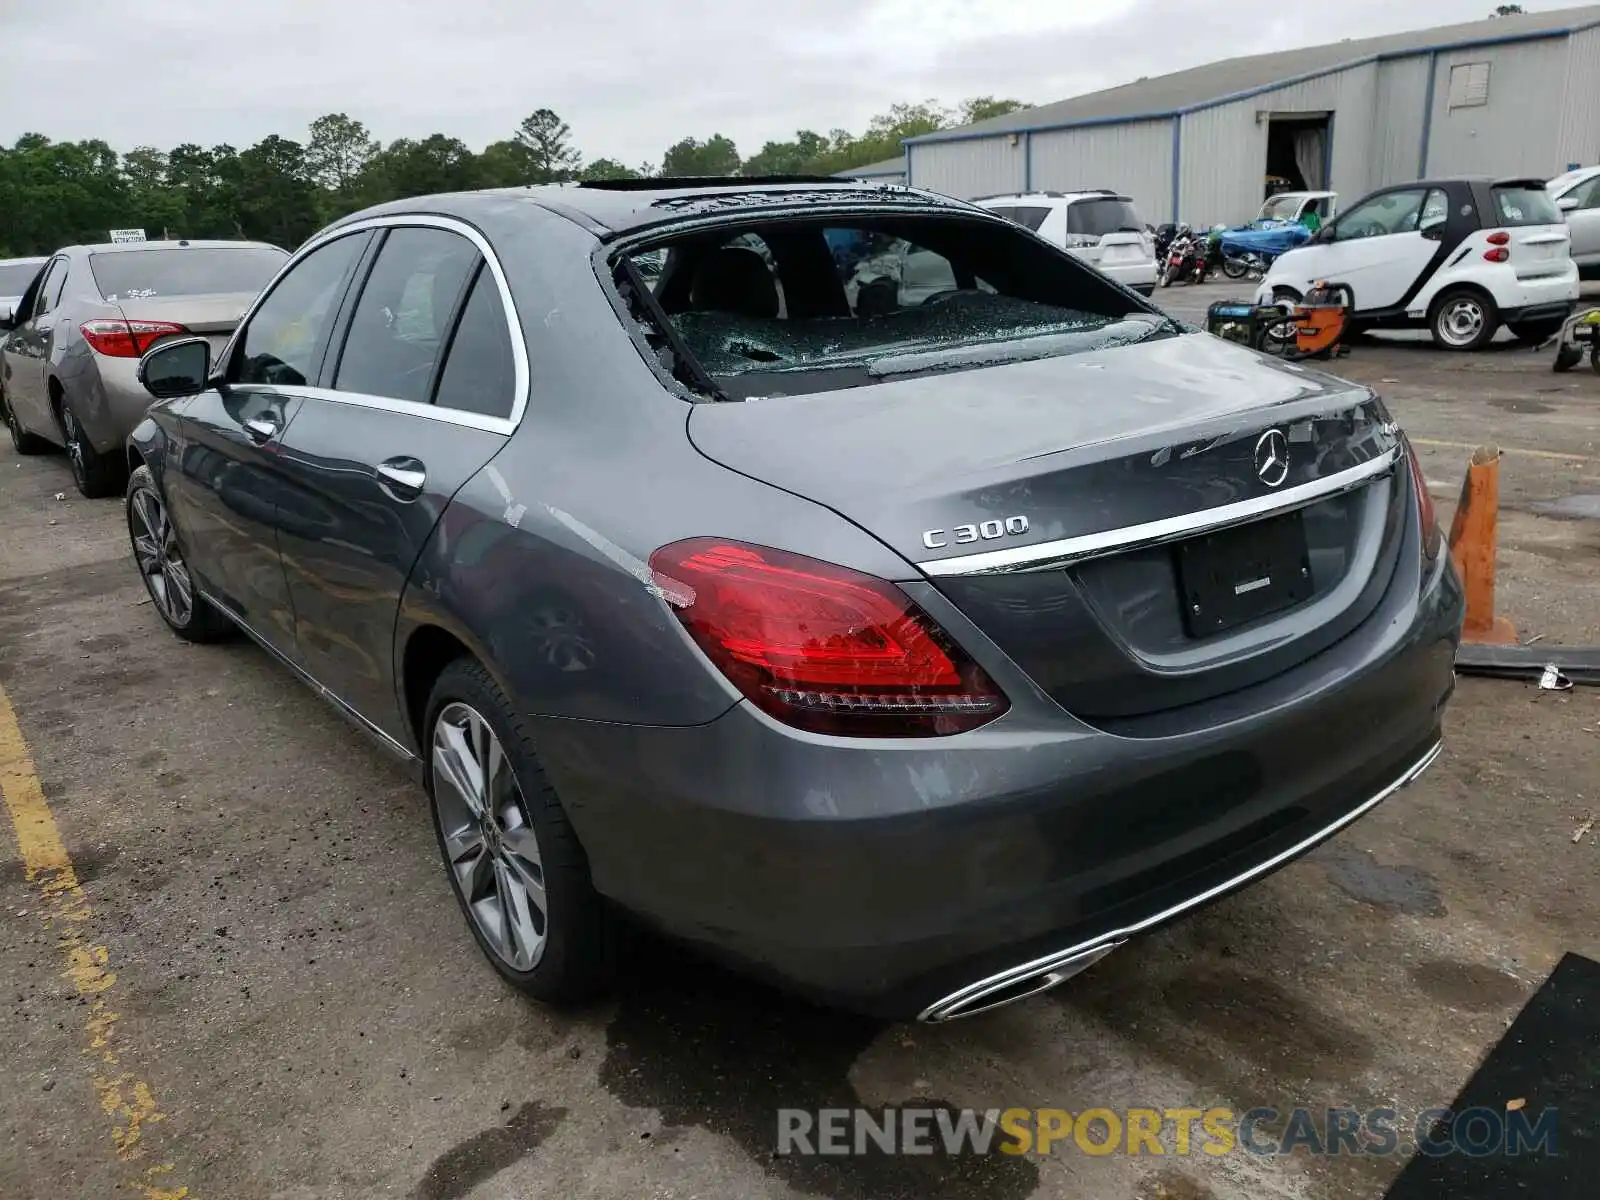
point(1567, 203)
point(178, 368)
point(8, 318)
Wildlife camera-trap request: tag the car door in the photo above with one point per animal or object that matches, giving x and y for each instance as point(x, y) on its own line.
point(1382, 246)
point(1584, 221)
point(225, 488)
point(419, 393)
point(28, 353)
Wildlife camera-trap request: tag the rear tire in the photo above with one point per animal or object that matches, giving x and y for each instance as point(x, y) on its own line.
point(96, 474)
point(1462, 319)
point(519, 874)
point(163, 567)
point(21, 440)
point(1235, 268)
point(1566, 358)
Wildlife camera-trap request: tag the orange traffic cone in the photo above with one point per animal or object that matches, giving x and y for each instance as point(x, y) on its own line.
point(1472, 545)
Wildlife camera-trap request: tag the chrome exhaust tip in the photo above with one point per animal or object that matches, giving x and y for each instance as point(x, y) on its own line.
point(1018, 983)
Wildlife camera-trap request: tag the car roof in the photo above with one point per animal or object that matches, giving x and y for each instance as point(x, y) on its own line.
point(24, 262)
point(175, 244)
point(630, 205)
point(1063, 197)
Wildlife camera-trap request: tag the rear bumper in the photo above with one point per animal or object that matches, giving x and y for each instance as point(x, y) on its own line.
point(889, 876)
point(1556, 311)
point(1141, 277)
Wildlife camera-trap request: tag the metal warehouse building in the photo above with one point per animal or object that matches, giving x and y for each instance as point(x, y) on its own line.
point(1511, 95)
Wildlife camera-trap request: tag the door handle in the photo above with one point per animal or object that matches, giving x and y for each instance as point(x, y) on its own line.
point(262, 429)
point(402, 478)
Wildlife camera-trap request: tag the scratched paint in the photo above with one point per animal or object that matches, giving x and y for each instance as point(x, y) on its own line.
point(126, 1100)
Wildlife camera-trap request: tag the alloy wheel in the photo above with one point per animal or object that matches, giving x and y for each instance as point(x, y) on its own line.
point(488, 837)
point(1461, 321)
point(74, 440)
point(155, 547)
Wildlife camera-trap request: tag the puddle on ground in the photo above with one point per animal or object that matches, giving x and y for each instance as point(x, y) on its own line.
point(1403, 889)
point(1584, 506)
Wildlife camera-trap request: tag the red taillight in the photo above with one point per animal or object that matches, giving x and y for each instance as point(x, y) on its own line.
point(1498, 254)
point(1426, 517)
point(1499, 238)
point(126, 339)
point(822, 647)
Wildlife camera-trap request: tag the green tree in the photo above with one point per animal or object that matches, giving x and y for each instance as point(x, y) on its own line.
point(152, 204)
point(1506, 10)
point(275, 198)
point(410, 168)
point(716, 155)
point(338, 151)
point(982, 108)
point(607, 168)
point(547, 141)
point(503, 164)
point(802, 156)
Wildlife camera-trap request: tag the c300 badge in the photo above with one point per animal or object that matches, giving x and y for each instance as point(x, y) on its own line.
point(983, 531)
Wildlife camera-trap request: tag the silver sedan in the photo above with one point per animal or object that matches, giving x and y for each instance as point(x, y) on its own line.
point(69, 364)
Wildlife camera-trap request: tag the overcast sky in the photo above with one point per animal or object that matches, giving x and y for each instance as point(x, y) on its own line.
point(631, 77)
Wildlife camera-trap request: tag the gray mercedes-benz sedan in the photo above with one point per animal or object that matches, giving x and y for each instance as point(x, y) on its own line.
point(68, 367)
point(912, 647)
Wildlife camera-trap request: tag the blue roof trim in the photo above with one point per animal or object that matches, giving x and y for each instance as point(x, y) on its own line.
point(1540, 35)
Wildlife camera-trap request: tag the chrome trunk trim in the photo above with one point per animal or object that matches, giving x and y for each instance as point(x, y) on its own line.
point(1046, 556)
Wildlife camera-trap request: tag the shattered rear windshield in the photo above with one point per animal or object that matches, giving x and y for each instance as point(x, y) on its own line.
point(806, 305)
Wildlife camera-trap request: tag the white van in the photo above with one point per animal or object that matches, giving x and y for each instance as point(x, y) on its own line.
point(1101, 227)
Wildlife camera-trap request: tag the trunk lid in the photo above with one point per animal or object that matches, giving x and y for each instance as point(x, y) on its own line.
point(213, 316)
point(1049, 500)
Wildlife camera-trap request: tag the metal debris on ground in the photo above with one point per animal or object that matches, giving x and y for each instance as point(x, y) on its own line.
point(1553, 680)
point(1583, 831)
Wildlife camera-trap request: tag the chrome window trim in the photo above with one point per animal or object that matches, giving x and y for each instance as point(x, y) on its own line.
point(1046, 556)
point(452, 416)
point(957, 1003)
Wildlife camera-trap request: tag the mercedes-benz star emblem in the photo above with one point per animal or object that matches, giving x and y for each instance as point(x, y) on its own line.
point(1272, 457)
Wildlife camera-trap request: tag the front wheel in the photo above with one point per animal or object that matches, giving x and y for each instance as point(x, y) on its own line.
point(1463, 320)
point(163, 567)
point(514, 862)
point(1235, 268)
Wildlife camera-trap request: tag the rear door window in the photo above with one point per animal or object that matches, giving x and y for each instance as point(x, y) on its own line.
point(1030, 216)
point(479, 373)
point(1525, 206)
point(399, 324)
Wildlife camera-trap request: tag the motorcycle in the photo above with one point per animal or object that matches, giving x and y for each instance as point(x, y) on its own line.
point(1186, 258)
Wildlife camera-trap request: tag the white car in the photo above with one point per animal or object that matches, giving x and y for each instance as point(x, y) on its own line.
point(1577, 195)
point(1100, 227)
point(1459, 257)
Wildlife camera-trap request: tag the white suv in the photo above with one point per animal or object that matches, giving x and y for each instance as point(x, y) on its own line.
point(1100, 227)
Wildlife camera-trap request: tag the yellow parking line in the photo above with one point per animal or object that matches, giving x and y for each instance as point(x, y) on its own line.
point(1507, 449)
point(124, 1097)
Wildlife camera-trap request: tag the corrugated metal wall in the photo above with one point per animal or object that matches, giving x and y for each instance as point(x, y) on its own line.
point(1135, 158)
point(1580, 105)
point(1400, 113)
point(1225, 148)
point(976, 167)
point(1518, 131)
point(1543, 113)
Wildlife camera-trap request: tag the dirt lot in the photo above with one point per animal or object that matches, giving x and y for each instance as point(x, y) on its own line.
point(259, 986)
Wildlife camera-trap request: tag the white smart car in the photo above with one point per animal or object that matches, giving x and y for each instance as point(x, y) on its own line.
point(1459, 257)
point(1100, 227)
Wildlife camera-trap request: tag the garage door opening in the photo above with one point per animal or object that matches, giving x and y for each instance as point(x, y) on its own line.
point(1299, 153)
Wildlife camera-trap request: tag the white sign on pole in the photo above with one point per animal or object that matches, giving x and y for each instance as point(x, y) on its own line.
point(127, 235)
